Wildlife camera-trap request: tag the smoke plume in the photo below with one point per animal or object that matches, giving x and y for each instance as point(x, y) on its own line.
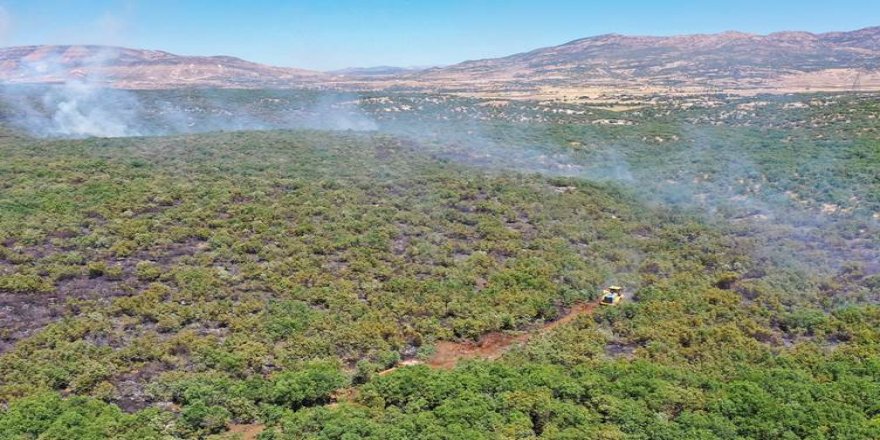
point(5, 24)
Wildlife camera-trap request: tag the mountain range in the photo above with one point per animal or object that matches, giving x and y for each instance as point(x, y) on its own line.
point(141, 69)
point(733, 62)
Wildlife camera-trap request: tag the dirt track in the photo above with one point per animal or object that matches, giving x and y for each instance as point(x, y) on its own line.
point(247, 432)
point(490, 346)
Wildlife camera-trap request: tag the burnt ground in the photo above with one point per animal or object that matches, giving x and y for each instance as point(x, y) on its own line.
point(23, 314)
point(131, 387)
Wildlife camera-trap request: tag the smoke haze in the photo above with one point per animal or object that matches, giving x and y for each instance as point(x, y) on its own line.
point(700, 171)
point(5, 24)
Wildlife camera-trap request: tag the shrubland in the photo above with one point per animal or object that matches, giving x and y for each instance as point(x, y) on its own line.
point(172, 286)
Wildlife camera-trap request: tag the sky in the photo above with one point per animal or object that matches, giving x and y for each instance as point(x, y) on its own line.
point(328, 34)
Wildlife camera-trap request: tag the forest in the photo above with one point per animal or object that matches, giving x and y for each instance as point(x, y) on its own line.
point(289, 281)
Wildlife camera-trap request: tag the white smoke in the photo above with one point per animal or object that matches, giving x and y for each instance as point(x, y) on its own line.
point(111, 27)
point(82, 103)
point(332, 112)
point(80, 106)
point(84, 107)
point(85, 110)
point(5, 24)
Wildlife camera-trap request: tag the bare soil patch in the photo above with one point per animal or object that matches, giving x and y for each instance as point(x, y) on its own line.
point(493, 345)
point(490, 346)
point(247, 431)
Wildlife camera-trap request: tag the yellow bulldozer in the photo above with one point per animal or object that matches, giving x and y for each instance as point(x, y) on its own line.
point(612, 296)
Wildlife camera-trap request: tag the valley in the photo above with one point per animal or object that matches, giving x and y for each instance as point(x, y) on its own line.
point(618, 237)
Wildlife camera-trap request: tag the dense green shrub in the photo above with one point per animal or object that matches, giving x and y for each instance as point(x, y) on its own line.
point(48, 416)
point(306, 387)
point(268, 277)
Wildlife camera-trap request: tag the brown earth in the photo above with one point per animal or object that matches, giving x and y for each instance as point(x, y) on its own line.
point(493, 345)
point(490, 346)
point(247, 431)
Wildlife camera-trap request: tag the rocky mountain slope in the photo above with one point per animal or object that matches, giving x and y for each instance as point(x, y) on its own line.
point(729, 60)
point(606, 65)
point(141, 69)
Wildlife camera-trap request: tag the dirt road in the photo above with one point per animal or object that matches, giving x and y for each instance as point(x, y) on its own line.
point(492, 345)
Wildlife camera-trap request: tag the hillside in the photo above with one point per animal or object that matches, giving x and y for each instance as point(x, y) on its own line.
point(141, 69)
point(376, 71)
point(315, 284)
point(730, 61)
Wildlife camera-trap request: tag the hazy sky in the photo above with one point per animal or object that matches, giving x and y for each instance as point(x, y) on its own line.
point(334, 34)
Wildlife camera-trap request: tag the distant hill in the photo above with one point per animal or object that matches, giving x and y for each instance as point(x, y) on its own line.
point(607, 64)
point(375, 71)
point(141, 69)
point(730, 60)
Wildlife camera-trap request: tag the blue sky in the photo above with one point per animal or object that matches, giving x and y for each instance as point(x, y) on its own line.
point(334, 34)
